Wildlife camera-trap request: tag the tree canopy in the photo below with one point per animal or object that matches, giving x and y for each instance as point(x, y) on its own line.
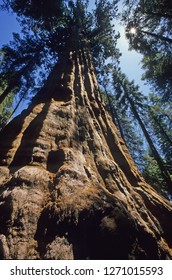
point(148, 29)
point(49, 29)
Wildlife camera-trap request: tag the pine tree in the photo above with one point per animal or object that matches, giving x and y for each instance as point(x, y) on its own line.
point(148, 29)
point(69, 188)
point(160, 118)
point(130, 96)
point(5, 111)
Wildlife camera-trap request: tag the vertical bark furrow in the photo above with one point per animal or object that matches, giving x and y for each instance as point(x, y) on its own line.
point(26, 151)
point(67, 179)
point(13, 133)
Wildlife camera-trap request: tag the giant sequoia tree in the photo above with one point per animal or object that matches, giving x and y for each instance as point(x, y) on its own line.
point(69, 188)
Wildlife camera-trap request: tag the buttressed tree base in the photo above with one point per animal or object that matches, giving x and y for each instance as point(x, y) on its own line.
point(68, 187)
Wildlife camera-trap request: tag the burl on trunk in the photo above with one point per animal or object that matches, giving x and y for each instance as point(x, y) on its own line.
point(69, 188)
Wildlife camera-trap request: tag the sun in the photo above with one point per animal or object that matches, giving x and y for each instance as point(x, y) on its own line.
point(133, 30)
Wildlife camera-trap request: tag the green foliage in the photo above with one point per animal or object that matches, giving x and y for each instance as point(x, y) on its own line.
point(19, 61)
point(152, 21)
point(133, 102)
point(132, 137)
point(152, 36)
point(127, 92)
point(45, 12)
point(158, 73)
point(160, 118)
point(153, 176)
point(49, 30)
point(5, 109)
point(120, 109)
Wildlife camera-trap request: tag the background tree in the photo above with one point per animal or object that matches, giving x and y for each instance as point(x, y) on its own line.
point(153, 176)
point(5, 111)
point(119, 109)
point(148, 28)
point(160, 117)
point(131, 99)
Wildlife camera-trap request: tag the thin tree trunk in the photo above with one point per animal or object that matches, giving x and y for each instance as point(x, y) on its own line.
point(159, 37)
point(15, 80)
point(7, 91)
point(158, 124)
point(155, 153)
point(69, 188)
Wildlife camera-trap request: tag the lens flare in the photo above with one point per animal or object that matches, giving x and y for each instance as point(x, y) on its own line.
point(133, 30)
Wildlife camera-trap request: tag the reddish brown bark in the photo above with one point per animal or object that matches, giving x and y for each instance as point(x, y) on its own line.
point(69, 188)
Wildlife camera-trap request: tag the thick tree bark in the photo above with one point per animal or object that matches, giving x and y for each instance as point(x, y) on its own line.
point(114, 115)
point(69, 188)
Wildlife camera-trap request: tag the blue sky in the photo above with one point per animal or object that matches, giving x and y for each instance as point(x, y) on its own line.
point(130, 60)
point(8, 24)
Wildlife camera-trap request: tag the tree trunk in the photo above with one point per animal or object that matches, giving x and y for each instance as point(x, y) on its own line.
point(158, 123)
point(164, 171)
point(7, 91)
point(157, 36)
point(69, 188)
point(14, 83)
